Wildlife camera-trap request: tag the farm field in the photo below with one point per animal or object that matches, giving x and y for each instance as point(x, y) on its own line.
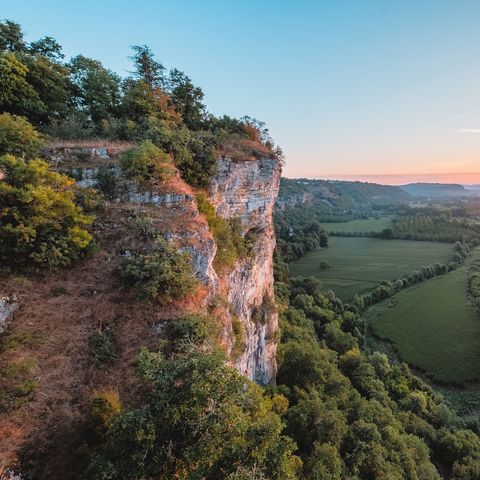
point(433, 327)
point(361, 225)
point(357, 264)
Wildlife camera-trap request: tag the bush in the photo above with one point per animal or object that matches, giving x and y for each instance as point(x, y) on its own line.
point(194, 329)
point(147, 163)
point(324, 265)
point(227, 234)
point(16, 383)
point(107, 181)
point(40, 223)
point(18, 137)
point(164, 271)
point(90, 199)
point(104, 409)
point(102, 347)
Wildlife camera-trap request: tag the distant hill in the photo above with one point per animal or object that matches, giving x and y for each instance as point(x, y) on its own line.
point(337, 193)
point(436, 190)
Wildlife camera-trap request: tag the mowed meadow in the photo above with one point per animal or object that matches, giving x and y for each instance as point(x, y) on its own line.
point(433, 327)
point(358, 264)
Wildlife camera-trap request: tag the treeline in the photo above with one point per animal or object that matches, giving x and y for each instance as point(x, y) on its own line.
point(80, 98)
point(294, 242)
point(389, 288)
point(435, 225)
point(354, 415)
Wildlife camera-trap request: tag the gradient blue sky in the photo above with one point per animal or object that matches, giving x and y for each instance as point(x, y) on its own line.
point(347, 88)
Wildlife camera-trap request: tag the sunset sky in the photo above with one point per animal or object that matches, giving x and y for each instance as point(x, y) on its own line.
point(349, 89)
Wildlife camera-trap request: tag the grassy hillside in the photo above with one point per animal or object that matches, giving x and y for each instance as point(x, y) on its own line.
point(357, 264)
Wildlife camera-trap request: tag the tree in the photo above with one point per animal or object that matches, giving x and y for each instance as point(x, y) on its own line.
point(187, 99)
point(17, 96)
point(39, 221)
point(147, 68)
point(11, 37)
point(18, 137)
point(202, 420)
point(47, 47)
point(97, 89)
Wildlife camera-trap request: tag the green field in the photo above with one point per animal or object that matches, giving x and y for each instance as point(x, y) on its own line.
point(433, 327)
point(357, 264)
point(363, 225)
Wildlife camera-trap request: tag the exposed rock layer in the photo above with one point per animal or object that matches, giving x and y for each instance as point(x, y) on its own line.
point(245, 190)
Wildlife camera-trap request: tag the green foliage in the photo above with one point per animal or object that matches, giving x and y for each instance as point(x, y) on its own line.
point(433, 326)
point(18, 137)
point(90, 199)
point(231, 245)
point(83, 99)
point(354, 415)
point(103, 349)
point(239, 336)
point(17, 383)
point(358, 265)
point(104, 410)
point(97, 91)
point(107, 182)
point(39, 221)
point(202, 419)
point(194, 329)
point(147, 163)
point(164, 271)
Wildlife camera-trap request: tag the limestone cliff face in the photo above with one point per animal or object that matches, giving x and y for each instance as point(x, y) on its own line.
point(248, 190)
point(240, 189)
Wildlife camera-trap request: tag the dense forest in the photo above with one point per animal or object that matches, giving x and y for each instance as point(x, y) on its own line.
point(336, 411)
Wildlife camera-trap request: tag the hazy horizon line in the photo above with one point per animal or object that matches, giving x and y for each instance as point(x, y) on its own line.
point(462, 178)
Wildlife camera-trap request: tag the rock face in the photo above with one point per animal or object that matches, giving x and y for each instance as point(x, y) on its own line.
point(248, 190)
point(240, 189)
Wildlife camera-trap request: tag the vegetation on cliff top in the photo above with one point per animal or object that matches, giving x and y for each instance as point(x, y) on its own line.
point(81, 99)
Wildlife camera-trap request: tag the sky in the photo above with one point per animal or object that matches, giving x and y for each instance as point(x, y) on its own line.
point(385, 90)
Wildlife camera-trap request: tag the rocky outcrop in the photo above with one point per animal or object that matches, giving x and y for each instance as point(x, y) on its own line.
point(248, 190)
point(240, 189)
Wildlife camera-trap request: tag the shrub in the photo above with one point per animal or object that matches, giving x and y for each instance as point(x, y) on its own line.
point(18, 137)
point(107, 181)
point(104, 409)
point(194, 329)
point(227, 234)
point(324, 265)
point(90, 199)
point(147, 163)
point(164, 271)
point(145, 228)
point(39, 220)
point(202, 420)
point(239, 336)
point(102, 347)
point(16, 383)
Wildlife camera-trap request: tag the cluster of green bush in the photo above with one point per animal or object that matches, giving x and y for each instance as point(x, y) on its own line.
point(227, 233)
point(161, 271)
point(354, 415)
point(40, 223)
point(81, 98)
